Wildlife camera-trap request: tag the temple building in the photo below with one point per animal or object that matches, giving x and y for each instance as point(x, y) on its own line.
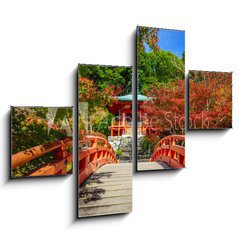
point(122, 109)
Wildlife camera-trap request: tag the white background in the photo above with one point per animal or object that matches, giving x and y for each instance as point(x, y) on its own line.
point(41, 43)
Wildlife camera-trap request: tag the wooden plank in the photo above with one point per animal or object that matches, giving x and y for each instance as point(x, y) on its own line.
point(106, 210)
point(107, 191)
point(115, 175)
point(105, 201)
point(112, 193)
point(103, 181)
point(112, 188)
point(144, 166)
point(116, 167)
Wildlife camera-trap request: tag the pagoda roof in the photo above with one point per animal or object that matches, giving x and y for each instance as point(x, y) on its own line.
point(129, 97)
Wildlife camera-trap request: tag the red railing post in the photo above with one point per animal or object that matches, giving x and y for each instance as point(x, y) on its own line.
point(55, 166)
point(99, 152)
point(168, 150)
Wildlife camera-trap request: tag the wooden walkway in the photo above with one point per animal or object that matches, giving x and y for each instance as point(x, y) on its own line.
point(145, 166)
point(107, 191)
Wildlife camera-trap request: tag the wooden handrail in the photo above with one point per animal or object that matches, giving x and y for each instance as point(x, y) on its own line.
point(170, 150)
point(93, 153)
point(60, 155)
point(120, 124)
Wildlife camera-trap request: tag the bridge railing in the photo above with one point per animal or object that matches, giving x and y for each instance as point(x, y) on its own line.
point(121, 123)
point(62, 155)
point(170, 150)
point(93, 153)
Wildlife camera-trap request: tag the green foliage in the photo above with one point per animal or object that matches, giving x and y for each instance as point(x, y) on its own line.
point(183, 57)
point(69, 166)
point(157, 67)
point(119, 152)
point(149, 143)
point(107, 75)
point(32, 165)
point(103, 122)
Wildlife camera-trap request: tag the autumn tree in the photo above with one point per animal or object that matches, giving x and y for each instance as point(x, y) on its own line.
point(99, 87)
point(149, 36)
point(165, 109)
point(210, 99)
point(98, 117)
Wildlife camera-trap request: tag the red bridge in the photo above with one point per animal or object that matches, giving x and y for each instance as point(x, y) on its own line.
point(105, 184)
point(94, 152)
point(61, 156)
point(170, 151)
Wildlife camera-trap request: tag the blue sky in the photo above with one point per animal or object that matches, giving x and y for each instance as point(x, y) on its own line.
point(171, 40)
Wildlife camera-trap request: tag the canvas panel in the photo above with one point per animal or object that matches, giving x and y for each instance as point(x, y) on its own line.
point(160, 98)
point(105, 140)
point(210, 100)
point(41, 141)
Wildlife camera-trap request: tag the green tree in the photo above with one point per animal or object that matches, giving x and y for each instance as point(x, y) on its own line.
point(157, 68)
point(103, 76)
point(183, 57)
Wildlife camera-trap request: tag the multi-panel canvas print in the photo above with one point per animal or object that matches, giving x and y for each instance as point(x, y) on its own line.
point(105, 140)
point(41, 141)
point(210, 100)
point(160, 98)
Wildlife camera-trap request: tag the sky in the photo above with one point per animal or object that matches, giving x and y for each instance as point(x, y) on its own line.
point(171, 40)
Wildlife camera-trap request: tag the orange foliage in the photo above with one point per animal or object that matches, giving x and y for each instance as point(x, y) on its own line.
point(210, 100)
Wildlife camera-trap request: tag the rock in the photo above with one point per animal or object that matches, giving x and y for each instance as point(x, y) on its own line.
point(123, 143)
